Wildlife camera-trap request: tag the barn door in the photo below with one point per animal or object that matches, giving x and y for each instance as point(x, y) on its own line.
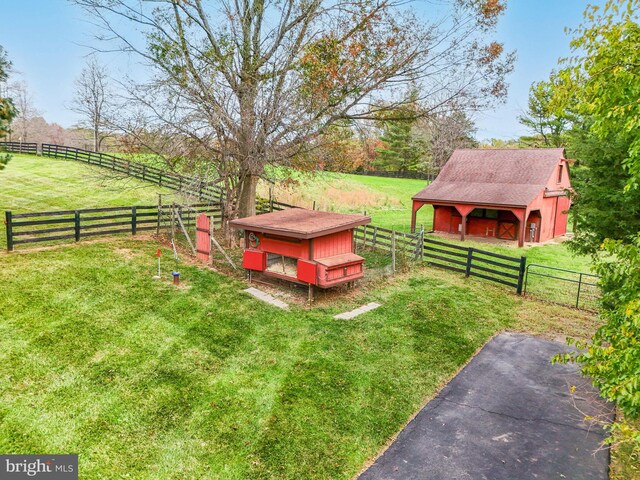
point(507, 230)
point(203, 237)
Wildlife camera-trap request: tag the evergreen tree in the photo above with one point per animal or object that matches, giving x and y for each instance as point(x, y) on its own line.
point(403, 150)
point(7, 109)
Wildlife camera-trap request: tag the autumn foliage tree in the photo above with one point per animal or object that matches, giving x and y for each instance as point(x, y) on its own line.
point(256, 82)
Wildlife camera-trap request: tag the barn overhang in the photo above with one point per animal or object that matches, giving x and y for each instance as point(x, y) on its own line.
point(465, 208)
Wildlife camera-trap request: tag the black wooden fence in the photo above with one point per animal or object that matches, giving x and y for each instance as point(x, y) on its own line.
point(73, 225)
point(68, 225)
point(470, 261)
point(382, 173)
point(19, 147)
point(188, 185)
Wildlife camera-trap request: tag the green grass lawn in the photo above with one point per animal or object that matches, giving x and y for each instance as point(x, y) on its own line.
point(31, 184)
point(144, 380)
point(34, 184)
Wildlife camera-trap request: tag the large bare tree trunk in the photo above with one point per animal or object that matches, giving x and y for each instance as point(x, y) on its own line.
point(247, 196)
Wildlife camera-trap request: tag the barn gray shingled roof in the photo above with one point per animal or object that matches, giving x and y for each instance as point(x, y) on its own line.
point(511, 177)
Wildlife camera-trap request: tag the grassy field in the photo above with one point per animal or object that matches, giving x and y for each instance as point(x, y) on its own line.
point(145, 380)
point(387, 200)
point(33, 184)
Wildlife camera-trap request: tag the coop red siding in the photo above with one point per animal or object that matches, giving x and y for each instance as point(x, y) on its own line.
point(334, 244)
point(254, 260)
point(283, 246)
point(322, 243)
point(307, 272)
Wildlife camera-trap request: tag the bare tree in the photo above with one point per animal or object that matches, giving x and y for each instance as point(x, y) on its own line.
point(444, 132)
point(253, 82)
point(91, 100)
point(26, 110)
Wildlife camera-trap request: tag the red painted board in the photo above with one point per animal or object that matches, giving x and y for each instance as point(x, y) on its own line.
point(307, 271)
point(203, 239)
point(254, 260)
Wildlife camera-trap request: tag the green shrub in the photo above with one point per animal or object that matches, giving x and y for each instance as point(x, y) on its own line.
point(612, 357)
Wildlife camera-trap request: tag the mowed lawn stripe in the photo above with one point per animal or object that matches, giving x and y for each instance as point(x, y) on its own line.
point(148, 380)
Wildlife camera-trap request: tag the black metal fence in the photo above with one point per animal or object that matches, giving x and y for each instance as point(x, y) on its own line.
point(472, 262)
point(19, 147)
point(565, 287)
point(74, 225)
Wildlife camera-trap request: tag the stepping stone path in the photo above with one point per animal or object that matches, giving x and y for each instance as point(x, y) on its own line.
point(265, 297)
point(358, 311)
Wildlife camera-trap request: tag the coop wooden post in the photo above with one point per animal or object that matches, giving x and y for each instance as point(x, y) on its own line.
point(173, 221)
point(311, 292)
point(7, 221)
point(393, 250)
point(159, 213)
point(76, 224)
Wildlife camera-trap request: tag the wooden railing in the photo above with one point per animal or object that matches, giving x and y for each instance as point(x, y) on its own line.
point(187, 185)
point(74, 225)
point(19, 147)
point(470, 261)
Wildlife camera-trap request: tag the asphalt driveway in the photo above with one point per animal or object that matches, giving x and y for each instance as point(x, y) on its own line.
point(509, 414)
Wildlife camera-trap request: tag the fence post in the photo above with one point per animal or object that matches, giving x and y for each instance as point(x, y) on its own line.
point(76, 224)
point(7, 221)
point(421, 245)
point(134, 220)
point(579, 288)
point(467, 271)
point(144, 172)
point(523, 266)
point(393, 251)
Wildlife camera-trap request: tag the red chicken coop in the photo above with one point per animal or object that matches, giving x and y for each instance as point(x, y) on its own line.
point(303, 246)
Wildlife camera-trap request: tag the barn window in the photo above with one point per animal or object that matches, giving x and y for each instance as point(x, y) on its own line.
point(559, 174)
point(484, 213)
point(282, 265)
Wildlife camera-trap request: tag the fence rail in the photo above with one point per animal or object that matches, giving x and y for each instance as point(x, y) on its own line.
point(187, 185)
point(67, 225)
point(562, 286)
point(19, 147)
point(414, 175)
point(470, 261)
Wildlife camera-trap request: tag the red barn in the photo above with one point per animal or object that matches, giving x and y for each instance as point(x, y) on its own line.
point(305, 246)
point(512, 194)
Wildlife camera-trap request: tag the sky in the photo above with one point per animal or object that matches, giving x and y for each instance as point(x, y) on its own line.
point(47, 41)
